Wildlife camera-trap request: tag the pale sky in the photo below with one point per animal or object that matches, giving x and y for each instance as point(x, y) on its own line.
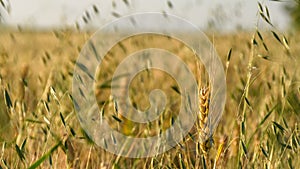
point(225, 14)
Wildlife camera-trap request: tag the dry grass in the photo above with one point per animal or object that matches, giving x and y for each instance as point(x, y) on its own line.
point(257, 130)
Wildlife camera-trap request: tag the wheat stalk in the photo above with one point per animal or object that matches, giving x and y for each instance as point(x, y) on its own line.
point(205, 140)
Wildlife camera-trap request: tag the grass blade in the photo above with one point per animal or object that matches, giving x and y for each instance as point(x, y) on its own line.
point(45, 156)
point(267, 116)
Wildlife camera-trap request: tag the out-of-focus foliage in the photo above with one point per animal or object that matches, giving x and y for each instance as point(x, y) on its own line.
point(294, 10)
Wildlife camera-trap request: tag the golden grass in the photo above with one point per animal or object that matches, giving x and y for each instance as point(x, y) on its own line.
point(41, 125)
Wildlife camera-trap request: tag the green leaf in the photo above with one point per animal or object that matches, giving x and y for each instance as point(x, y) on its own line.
point(267, 115)
point(45, 156)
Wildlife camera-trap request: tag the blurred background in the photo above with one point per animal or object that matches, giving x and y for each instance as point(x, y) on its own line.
point(220, 15)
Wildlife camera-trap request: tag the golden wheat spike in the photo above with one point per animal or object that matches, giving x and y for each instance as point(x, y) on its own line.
point(205, 139)
point(203, 112)
point(203, 101)
point(203, 106)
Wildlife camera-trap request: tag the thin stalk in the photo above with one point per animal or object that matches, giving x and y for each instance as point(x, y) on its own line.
point(245, 95)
